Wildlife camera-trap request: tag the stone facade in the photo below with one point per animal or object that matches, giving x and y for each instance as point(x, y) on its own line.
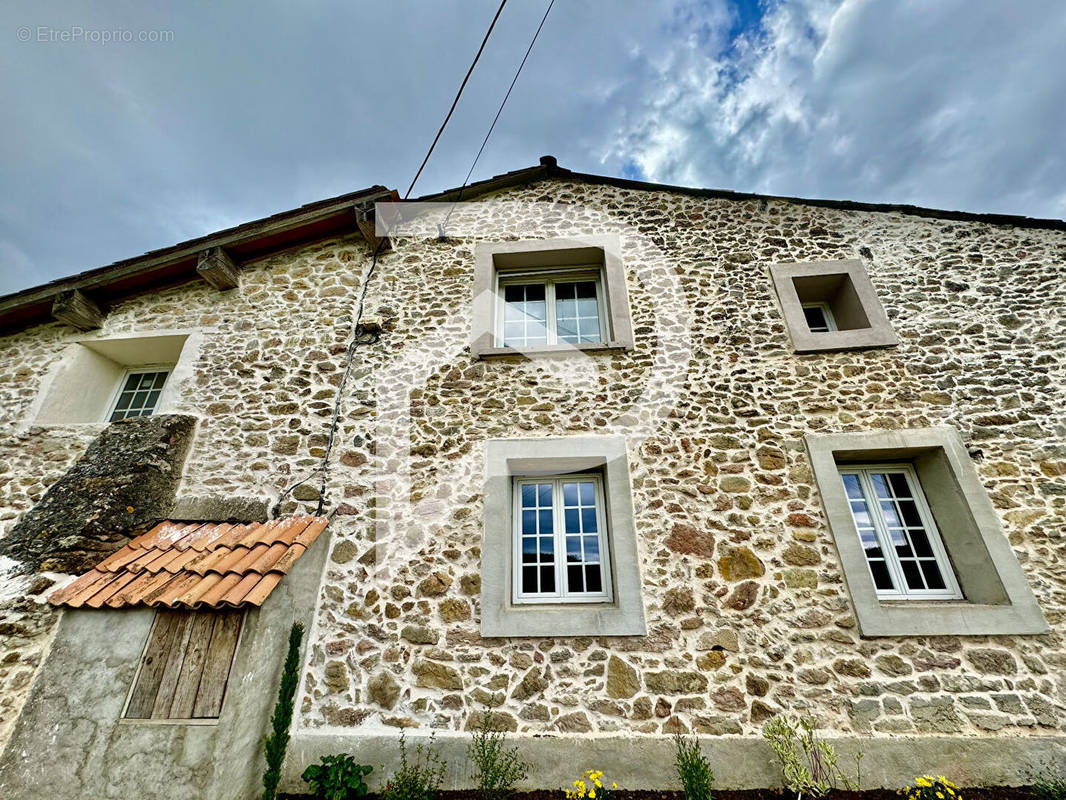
point(746, 605)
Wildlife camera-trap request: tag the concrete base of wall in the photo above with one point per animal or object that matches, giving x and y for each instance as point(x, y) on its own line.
point(739, 762)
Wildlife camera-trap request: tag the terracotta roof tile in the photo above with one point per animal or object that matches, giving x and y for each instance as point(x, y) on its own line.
point(195, 565)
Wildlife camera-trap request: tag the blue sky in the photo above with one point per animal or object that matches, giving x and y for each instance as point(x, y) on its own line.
point(111, 149)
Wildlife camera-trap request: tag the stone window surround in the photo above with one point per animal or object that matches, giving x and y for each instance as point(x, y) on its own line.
point(97, 364)
point(847, 289)
point(1000, 601)
point(504, 460)
point(491, 259)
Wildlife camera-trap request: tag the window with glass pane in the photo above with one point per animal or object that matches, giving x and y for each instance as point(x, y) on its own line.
point(561, 549)
point(819, 317)
point(545, 310)
point(525, 320)
point(902, 545)
point(139, 394)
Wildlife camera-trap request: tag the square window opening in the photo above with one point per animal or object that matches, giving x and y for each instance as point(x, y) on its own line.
point(830, 303)
point(139, 392)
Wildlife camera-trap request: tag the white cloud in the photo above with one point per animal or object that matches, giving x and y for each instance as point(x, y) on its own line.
point(948, 103)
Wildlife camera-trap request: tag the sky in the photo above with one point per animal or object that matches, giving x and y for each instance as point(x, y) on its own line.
point(201, 115)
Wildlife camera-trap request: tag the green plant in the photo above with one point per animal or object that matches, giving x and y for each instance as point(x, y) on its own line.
point(1048, 784)
point(418, 778)
point(590, 786)
point(498, 767)
point(693, 769)
point(928, 787)
point(278, 740)
point(337, 778)
point(808, 764)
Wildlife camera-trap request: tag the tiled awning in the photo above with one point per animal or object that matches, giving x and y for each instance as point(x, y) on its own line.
point(195, 565)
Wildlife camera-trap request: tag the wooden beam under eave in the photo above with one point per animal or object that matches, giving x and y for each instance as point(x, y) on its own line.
point(364, 219)
point(74, 308)
point(217, 268)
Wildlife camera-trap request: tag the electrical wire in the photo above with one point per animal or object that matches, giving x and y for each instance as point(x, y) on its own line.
point(495, 119)
point(455, 102)
point(356, 339)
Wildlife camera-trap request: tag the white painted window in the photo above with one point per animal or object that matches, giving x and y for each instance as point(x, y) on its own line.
point(819, 317)
point(562, 306)
point(560, 540)
point(138, 393)
point(903, 549)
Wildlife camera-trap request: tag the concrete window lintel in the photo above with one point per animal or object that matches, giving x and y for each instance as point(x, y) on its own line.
point(847, 289)
point(490, 258)
point(998, 597)
point(507, 458)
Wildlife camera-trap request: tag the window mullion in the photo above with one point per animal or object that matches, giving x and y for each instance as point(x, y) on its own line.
point(601, 308)
point(549, 317)
point(560, 536)
point(874, 505)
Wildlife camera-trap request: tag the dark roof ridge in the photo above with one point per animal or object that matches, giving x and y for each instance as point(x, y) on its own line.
point(549, 169)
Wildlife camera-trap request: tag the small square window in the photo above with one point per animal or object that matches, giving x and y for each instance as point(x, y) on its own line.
point(139, 392)
point(185, 668)
point(819, 317)
point(831, 305)
point(560, 537)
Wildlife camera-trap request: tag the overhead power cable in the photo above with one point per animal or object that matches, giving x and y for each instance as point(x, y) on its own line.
point(455, 102)
point(359, 336)
point(496, 119)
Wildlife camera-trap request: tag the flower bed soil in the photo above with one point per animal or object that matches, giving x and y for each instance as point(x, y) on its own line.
point(991, 793)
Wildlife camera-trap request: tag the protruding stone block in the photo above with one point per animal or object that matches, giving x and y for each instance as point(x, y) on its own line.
point(217, 268)
point(74, 308)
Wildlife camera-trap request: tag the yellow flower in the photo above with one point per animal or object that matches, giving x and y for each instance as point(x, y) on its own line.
point(592, 794)
point(614, 785)
point(923, 781)
point(940, 795)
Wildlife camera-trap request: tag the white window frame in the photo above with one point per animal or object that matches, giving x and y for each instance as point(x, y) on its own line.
point(952, 591)
point(549, 277)
point(559, 535)
point(827, 312)
point(139, 370)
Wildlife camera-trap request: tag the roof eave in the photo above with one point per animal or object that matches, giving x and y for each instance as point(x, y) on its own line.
point(158, 269)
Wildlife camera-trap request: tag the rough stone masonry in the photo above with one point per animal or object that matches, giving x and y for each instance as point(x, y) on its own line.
point(747, 609)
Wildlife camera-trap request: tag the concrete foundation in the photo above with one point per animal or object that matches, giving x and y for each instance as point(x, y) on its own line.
point(739, 762)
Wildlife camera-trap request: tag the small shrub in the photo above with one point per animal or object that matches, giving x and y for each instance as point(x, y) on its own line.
point(498, 767)
point(693, 769)
point(278, 741)
point(590, 786)
point(337, 778)
point(808, 764)
point(927, 787)
point(418, 778)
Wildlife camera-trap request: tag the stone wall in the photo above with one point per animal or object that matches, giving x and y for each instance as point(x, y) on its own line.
point(746, 605)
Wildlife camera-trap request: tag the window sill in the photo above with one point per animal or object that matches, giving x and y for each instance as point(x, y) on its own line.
point(562, 619)
point(951, 618)
point(551, 350)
